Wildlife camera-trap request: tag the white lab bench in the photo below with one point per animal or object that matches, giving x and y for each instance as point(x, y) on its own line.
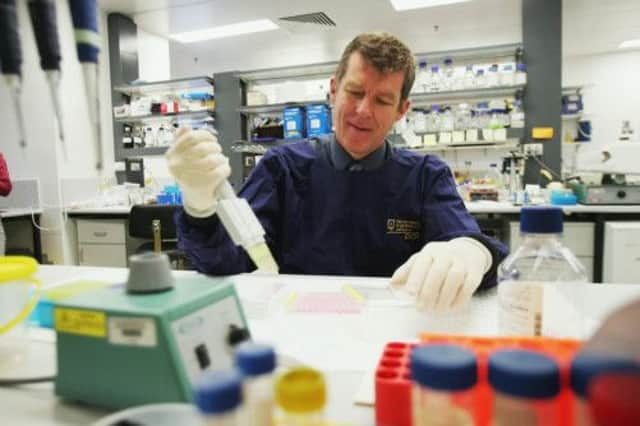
point(346, 347)
point(102, 237)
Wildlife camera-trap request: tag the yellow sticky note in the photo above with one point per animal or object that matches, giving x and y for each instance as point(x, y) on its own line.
point(542, 133)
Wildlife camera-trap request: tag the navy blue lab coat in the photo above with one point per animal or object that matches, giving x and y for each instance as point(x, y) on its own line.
point(323, 219)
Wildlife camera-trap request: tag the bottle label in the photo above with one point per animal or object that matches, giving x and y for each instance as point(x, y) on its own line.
point(520, 308)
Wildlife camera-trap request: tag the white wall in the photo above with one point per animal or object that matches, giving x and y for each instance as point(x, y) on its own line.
point(611, 93)
point(43, 159)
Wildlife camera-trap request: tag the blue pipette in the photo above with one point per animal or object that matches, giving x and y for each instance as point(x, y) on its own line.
point(85, 24)
point(11, 59)
point(45, 28)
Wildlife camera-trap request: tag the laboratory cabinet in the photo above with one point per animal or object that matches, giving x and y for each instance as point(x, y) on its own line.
point(621, 263)
point(577, 236)
point(102, 242)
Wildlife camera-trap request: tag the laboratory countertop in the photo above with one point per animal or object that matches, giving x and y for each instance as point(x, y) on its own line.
point(346, 347)
point(478, 207)
point(10, 212)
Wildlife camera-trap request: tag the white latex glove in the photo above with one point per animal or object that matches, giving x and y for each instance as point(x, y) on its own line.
point(197, 163)
point(444, 275)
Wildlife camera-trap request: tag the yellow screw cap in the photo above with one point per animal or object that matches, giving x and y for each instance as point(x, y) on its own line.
point(301, 390)
point(16, 267)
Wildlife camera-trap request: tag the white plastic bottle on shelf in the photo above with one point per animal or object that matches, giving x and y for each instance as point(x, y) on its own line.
point(462, 117)
point(435, 80)
point(422, 78)
point(481, 79)
point(469, 79)
point(507, 75)
point(448, 74)
point(434, 122)
point(521, 74)
point(517, 115)
point(446, 121)
point(541, 263)
point(492, 76)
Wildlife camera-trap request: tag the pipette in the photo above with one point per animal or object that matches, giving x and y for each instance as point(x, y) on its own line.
point(244, 228)
point(85, 24)
point(11, 59)
point(242, 225)
point(45, 28)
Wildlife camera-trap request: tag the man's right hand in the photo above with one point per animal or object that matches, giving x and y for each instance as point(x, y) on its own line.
point(199, 166)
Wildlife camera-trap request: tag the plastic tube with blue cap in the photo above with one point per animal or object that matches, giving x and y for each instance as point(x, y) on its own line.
point(45, 29)
point(85, 24)
point(11, 59)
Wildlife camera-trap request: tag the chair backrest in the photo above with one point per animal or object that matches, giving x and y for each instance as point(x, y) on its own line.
point(141, 220)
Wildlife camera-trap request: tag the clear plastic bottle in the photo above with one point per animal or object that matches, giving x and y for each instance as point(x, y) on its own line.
point(257, 363)
point(433, 125)
point(301, 397)
point(507, 75)
point(541, 263)
point(218, 396)
point(517, 115)
point(526, 385)
point(447, 120)
point(448, 74)
point(521, 74)
point(585, 368)
point(462, 117)
point(422, 78)
point(444, 377)
point(495, 176)
point(435, 80)
point(469, 79)
point(492, 76)
point(481, 79)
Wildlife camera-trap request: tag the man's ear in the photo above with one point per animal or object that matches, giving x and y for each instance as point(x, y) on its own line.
point(404, 107)
point(333, 87)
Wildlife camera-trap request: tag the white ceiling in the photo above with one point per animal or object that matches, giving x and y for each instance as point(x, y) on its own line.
point(589, 26)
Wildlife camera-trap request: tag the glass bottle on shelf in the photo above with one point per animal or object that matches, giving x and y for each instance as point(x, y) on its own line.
point(448, 74)
point(435, 81)
point(422, 78)
point(507, 75)
point(517, 115)
point(481, 79)
point(521, 74)
point(492, 76)
point(469, 79)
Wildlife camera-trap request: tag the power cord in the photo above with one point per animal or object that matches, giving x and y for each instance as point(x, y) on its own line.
point(29, 381)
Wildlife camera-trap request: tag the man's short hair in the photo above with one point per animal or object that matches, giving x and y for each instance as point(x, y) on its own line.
point(386, 53)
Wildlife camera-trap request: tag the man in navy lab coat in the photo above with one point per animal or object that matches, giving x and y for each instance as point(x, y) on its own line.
point(348, 204)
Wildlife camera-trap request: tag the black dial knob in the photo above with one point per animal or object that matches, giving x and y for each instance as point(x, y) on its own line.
point(622, 193)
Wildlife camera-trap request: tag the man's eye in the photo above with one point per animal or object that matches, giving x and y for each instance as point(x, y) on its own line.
point(384, 102)
point(355, 93)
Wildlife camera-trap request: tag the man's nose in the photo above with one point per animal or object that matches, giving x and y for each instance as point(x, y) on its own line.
point(365, 106)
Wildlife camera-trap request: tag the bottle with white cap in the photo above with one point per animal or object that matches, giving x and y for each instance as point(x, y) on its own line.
point(218, 396)
point(257, 363)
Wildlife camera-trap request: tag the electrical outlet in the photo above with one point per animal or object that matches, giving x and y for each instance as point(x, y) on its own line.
point(533, 149)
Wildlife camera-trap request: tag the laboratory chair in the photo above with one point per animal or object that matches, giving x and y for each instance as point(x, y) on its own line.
point(156, 223)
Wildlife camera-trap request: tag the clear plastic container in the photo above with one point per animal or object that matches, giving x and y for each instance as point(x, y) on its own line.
point(541, 263)
point(448, 74)
point(469, 78)
point(492, 76)
point(257, 363)
point(481, 79)
point(507, 75)
point(218, 397)
point(446, 120)
point(19, 293)
point(433, 122)
point(585, 368)
point(300, 397)
point(526, 385)
point(521, 74)
point(444, 378)
point(462, 117)
point(435, 80)
point(422, 78)
point(517, 115)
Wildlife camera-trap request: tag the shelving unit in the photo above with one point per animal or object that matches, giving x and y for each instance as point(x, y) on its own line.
point(275, 108)
point(165, 87)
point(506, 145)
point(125, 93)
point(419, 99)
point(205, 115)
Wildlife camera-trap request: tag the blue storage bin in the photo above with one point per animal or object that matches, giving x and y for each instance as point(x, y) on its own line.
point(293, 121)
point(318, 120)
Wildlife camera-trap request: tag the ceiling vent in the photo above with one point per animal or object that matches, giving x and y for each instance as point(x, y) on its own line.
point(317, 18)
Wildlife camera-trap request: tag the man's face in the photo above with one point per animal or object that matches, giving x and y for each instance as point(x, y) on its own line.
point(366, 104)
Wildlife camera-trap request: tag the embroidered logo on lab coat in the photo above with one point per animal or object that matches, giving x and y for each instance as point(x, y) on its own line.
point(409, 229)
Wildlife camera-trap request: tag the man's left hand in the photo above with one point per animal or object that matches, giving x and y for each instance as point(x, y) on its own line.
point(444, 275)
